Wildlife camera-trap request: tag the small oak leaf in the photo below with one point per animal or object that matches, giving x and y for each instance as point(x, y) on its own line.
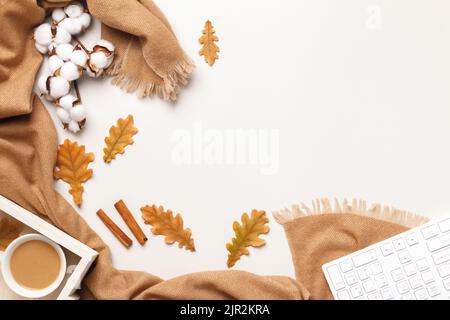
point(119, 137)
point(10, 229)
point(165, 224)
point(246, 235)
point(208, 39)
point(73, 162)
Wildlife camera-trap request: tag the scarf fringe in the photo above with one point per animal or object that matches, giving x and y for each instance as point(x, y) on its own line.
point(359, 207)
point(167, 91)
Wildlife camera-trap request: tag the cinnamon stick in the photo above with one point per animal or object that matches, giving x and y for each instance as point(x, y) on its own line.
point(120, 235)
point(130, 221)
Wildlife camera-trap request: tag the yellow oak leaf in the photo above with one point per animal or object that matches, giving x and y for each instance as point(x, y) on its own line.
point(119, 137)
point(165, 224)
point(73, 162)
point(10, 229)
point(208, 39)
point(246, 235)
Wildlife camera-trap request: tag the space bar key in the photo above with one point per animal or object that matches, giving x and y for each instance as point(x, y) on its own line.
point(439, 243)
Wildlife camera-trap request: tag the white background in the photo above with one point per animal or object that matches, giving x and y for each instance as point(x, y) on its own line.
point(362, 110)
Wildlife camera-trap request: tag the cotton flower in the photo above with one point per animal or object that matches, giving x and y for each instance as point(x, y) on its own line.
point(43, 34)
point(42, 84)
point(54, 63)
point(71, 25)
point(64, 51)
point(78, 113)
point(74, 9)
point(63, 115)
point(79, 57)
point(101, 58)
point(74, 126)
point(84, 20)
point(70, 71)
point(58, 87)
point(58, 15)
point(66, 102)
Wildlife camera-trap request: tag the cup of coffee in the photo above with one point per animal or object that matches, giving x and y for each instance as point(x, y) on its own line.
point(33, 266)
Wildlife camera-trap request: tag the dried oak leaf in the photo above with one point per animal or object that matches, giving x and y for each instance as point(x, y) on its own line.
point(247, 235)
point(120, 136)
point(73, 162)
point(164, 223)
point(10, 229)
point(208, 39)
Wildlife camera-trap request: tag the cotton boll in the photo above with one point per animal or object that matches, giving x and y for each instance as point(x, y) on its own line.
point(62, 36)
point(58, 87)
point(74, 10)
point(64, 51)
point(98, 59)
point(94, 74)
point(42, 49)
point(78, 112)
point(58, 14)
point(71, 25)
point(63, 115)
point(42, 84)
point(67, 101)
point(84, 20)
point(79, 57)
point(69, 71)
point(74, 127)
point(43, 34)
point(54, 63)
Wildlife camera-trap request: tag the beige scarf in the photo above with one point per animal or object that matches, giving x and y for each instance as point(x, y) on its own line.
point(28, 146)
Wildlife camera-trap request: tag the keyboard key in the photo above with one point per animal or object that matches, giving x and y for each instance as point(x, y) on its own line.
point(343, 295)
point(444, 225)
point(364, 273)
point(387, 294)
point(402, 287)
point(399, 244)
point(369, 286)
point(364, 258)
point(373, 296)
point(427, 276)
point(350, 278)
point(410, 269)
point(422, 264)
point(386, 249)
point(433, 290)
point(336, 277)
point(421, 294)
point(397, 274)
point(376, 268)
point(346, 265)
point(412, 239)
point(430, 232)
point(404, 256)
point(441, 256)
point(408, 296)
point(444, 270)
point(446, 283)
point(439, 243)
point(415, 282)
point(356, 291)
point(381, 281)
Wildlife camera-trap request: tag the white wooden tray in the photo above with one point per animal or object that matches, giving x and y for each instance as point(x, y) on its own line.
point(79, 256)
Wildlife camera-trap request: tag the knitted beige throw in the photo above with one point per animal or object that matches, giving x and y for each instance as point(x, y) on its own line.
point(151, 61)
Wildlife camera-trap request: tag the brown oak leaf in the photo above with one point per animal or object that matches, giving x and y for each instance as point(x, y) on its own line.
point(165, 224)
point(73, 162)
point(208, 39)
point(246, 235)
point(120, 136)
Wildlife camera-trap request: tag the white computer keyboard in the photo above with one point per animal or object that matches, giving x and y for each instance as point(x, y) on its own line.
point(411, 265)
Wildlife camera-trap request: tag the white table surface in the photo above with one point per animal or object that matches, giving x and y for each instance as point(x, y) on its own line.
point(357, 89)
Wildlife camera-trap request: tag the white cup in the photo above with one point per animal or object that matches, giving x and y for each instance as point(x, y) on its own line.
point(12, 283)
